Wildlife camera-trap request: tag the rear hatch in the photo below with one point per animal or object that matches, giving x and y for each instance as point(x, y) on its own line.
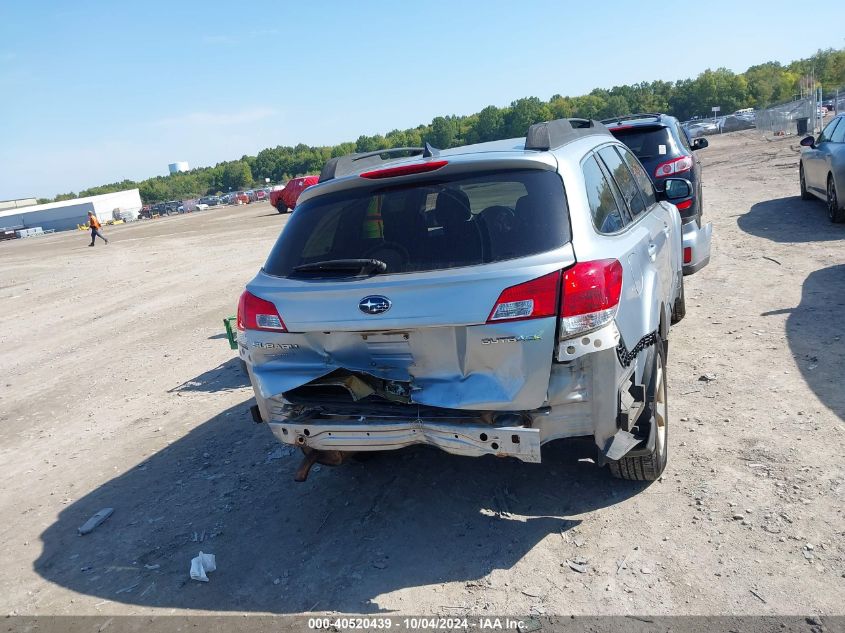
point(652, 144)
point(440, 290)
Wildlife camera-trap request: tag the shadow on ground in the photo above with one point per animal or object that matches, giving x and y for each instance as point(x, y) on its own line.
point(336, 542)
point(815, 335)
point(225, 377)
point(790, 220)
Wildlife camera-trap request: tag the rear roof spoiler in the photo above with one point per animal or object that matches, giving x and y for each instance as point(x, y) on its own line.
point(541, 136)
point(553, 134)
point(633, 117)
point(343, 165)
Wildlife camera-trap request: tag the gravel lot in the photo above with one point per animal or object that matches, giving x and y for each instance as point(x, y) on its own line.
point(118, 390)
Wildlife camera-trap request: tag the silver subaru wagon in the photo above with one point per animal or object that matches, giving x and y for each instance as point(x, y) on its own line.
point(485, 299)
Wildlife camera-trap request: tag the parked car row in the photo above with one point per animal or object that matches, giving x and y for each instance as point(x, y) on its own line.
point(485, 300)
point(740, 120)
point(182, 206)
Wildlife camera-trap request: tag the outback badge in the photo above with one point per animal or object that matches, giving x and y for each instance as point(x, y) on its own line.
point(374, 304)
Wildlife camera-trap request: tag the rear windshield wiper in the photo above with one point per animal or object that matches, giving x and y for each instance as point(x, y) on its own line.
point(354, 266)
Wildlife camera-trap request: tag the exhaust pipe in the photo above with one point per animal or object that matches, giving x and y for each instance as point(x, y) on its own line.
point(327, 458)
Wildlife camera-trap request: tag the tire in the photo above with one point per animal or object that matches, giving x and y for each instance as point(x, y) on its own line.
point(679, 310)
point(641, 464)
point(281, 208)
point(805, 195)
point(834, 208)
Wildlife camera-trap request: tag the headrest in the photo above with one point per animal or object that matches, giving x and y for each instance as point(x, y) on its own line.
point(452, 207)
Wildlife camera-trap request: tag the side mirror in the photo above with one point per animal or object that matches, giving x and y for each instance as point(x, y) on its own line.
point(808, 141)
point(699, 143)
point(677, 188)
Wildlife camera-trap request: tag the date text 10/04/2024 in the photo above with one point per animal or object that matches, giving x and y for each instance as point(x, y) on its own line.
point(421, 623)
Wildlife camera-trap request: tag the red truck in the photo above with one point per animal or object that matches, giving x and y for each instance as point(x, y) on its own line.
point(285, 199)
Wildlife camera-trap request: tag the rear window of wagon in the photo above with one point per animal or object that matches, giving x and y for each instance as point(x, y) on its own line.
point(431, 224)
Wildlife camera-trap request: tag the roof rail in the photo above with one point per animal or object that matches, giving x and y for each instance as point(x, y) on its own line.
point(553, 134)
point(631, 117)
point(343, 165)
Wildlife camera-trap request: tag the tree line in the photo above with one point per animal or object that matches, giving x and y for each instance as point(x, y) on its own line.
point(758, 87)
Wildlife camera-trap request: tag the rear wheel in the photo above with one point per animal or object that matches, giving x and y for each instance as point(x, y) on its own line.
point(834, 209)
point(642, 464)
point(805, 195)
point(281, 208)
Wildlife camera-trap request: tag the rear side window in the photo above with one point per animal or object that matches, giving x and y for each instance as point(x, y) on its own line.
point(827, 132)
point(429, 225)
point(624, 180)
point(607, 217)
point(682, 137)
point(640, 175)
point(838, 135)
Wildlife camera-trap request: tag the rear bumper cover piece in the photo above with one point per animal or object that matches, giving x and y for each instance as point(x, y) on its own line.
point(698, 240)
point(472, 440)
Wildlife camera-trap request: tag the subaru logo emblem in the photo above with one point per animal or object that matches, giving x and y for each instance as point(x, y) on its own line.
point(374, 304)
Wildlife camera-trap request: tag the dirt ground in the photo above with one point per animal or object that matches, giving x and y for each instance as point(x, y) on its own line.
point(117, 389)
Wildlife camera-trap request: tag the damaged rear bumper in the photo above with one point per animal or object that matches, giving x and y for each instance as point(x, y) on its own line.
point(472, 440)
point(581, 402)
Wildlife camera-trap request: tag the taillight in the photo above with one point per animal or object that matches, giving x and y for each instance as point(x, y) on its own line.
point(405, 170)
point(591, 292)
point(674, 166)
point(686, 204)
point(688, 255)
point(255, 313)
point(533, 299)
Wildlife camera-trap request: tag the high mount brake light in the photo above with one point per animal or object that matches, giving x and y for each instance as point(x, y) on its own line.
point(255, 313)
point(674, 166)
point(591, 292)
point(533, 299)
point(405, 170)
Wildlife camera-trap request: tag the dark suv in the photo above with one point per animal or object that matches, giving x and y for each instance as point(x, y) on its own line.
point(665, 150)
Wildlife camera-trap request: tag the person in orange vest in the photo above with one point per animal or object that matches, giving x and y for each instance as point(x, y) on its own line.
point(95, 225)
point(373, 225)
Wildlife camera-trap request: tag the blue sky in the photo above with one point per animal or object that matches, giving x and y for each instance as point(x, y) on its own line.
point(94, 92)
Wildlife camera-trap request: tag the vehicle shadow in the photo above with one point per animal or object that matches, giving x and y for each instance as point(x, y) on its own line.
point(225, 377)
point(790, 220)
point(336, 542)
point(815, 336)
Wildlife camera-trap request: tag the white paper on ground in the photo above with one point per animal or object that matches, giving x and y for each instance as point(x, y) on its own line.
point(202, 564)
